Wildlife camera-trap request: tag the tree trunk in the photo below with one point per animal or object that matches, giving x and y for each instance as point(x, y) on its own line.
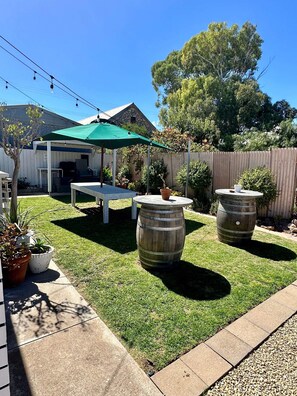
point(14, 191)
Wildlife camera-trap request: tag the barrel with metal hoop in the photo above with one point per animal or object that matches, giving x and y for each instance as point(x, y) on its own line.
point(160, 232)
point(237, 215)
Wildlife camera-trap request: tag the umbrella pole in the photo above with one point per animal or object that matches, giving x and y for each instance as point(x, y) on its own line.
point(101, 173)
point(101, 167)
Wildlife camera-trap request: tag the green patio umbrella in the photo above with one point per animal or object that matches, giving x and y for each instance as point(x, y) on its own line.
point(103, 135)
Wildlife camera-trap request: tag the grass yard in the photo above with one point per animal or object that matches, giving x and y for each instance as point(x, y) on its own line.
point(160, 316)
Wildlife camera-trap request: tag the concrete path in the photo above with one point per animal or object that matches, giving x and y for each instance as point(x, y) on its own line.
point(57, 345)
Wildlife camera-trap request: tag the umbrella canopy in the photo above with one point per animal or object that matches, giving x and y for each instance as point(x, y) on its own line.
point(103, 135)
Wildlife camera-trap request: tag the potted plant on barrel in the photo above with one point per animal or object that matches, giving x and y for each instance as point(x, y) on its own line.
point(165, 190)
point(41, 255)
point(14, 255)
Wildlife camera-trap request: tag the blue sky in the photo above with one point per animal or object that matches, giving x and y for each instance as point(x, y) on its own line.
point(104, 50)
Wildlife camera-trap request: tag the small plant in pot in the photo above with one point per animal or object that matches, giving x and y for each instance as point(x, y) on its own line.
point(41, 255)
point(14, 256)
point(165, 191)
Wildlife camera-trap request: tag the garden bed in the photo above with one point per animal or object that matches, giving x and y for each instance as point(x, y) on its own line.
point(161, 315)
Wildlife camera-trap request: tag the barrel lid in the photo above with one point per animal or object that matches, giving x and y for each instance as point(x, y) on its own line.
point(156, 200)
point(243, 193)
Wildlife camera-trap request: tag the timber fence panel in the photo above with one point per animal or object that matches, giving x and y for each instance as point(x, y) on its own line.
point(221, 170)
point(239, 162)
point(283, 167)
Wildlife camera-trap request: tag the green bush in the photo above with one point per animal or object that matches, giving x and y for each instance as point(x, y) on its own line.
point(200, 177)
point(156, 168)
point(260, 179)
point(124, 173)
point(107, 174)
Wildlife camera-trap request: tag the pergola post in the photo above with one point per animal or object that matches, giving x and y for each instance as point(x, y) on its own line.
point(49, 166)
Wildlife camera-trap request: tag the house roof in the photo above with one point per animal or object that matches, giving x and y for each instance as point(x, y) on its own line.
point(106, 115)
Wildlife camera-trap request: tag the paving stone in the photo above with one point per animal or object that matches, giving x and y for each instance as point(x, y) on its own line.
point(269, 315)
point(295, 283)
point(229, 346)
point(36, 310)
point(81, 360)
point(178, 379)
point(247, 332)
point(206, 363)
point(287, 297)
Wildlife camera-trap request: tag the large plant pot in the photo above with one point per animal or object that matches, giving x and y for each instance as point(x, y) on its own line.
point(39, 262)
point(15, 271)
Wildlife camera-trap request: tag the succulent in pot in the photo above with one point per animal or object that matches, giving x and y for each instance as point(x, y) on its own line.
point(41, 255)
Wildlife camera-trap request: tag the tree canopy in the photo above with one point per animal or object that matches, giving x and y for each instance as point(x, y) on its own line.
point(208, 89)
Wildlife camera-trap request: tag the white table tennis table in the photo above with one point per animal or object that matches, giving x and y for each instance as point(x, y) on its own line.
point(106, 193)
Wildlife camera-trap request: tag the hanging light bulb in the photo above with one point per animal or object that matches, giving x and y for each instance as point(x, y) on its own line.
point(98, 117)
point(34, 77)
point(52, 84)
point(76, 104)
point(6, 86)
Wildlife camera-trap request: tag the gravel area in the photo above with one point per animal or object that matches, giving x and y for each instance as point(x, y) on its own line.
point(268, 371)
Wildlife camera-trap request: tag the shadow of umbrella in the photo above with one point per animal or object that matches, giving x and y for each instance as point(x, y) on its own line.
point(194, 282)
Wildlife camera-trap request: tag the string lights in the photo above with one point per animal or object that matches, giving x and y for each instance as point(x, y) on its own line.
point(52, 84)
point(58, 84)
point(23, 93)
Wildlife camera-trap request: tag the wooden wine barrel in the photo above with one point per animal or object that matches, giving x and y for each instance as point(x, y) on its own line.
point(160, 232)
point(236, 216)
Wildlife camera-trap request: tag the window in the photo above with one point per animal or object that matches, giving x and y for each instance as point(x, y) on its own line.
point(133, 119)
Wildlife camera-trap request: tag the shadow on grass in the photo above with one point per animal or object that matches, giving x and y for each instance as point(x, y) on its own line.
point(268, 250)
point(118, 235)
point(194, 282)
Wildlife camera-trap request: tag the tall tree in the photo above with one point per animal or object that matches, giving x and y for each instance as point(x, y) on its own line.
point(15, 136)
point(209, 89)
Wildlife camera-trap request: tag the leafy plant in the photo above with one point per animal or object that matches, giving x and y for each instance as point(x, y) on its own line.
point(39, 246)
point(156, 168)
point(200, 177)
point(10, 248)
point(107, 174)
point(260, 179)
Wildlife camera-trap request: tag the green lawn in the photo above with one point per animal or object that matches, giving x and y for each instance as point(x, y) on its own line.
point(159, 316)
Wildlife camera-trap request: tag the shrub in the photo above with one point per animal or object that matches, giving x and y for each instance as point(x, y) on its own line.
point(156, 168)
point(124, 173)
point(199, 180)
point(260, 179)
point(107, 174)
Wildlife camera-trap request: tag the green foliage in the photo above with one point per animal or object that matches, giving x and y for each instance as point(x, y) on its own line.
point(10, 248)
point(255, 140)
point(156, 168)
point(124, 173)
point(199, 176)
point(208, 89)
point(107, 174)
point(39, 246)
point(260, 179)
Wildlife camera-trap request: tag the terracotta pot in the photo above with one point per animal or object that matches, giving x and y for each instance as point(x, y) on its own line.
point(15, 272)
point(165, 192)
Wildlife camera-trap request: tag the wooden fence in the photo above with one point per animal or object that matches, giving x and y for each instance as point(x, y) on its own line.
point(226, 168)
